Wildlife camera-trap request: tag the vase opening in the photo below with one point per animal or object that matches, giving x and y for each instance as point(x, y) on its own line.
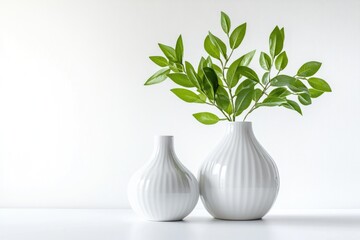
point(241, 123)
point(163, 139)
point(240, 127)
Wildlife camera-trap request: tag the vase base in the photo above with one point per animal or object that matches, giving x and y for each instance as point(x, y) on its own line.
point(238, 219)
point(164, 220)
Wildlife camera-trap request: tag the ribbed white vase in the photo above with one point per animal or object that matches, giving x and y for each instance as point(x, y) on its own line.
point(239, 180)
point(163, 190)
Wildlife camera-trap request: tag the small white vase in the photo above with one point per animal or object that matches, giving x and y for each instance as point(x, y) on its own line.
point(163, 190)
point(239, 180)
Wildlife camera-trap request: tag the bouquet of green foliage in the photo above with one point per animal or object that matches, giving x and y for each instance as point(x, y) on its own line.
point(234, 88)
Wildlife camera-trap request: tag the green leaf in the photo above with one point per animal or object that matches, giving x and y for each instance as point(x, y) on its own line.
point(279, 92)
point(200, 67)
point(246, 58)
point(282, 31)
point(257, 94)
point(249, 73)
point(315, 93)
point(202, 64)
point(211, 76)
point(192, 74)
point(243, 100)
point(219, 44)
point(291, 82)
point(276, 42)
point(218, 72)
point(308, 69)
point(304, 99)
point(247, 83)
point(237, 36)
point(282, 80)
point(206, 118)
point(229, 110)
point(225, 22)
point(265, 61)
point(187, 95)
point(181, 79)
point(210, 82)
point(222, 98)
point(272, 102)
point(319, 84)
point(208, 62)
point(298, 86)
point(265, 78)
point(233, 74)
point(158, 77)
point(169, 52)
point(160, 61)
point(175, 67)
point(293, 106)
point(179, 49)
point(202, 97)
point(281, 61)
point(211, 48)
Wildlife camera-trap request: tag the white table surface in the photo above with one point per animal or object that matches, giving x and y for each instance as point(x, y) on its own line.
point(69, 224)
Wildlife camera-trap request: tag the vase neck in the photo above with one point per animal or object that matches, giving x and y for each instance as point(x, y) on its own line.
point(243, 128)
point(163, 145)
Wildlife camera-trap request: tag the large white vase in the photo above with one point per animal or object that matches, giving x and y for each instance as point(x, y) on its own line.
point(239, 180)
point(163, 190)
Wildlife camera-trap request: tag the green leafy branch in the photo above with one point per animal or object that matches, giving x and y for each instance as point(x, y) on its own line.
point(214, 85)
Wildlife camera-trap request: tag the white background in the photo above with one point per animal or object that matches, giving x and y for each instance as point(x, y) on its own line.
point(76, 120)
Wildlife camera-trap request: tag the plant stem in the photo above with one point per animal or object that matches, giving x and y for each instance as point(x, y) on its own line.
point(265, 88)
point(252, 109)
point(254, 106)
point(232, 118)
point(222, 111)
point(213, 104)
point(230, 92)
point(232, 104)
point(223, 65)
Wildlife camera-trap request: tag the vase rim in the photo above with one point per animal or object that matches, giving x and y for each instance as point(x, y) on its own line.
point(163, 136)
point(240, 122)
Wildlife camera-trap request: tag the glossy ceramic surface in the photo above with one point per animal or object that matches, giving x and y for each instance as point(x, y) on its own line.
point(163, 190)
point(239, 180)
